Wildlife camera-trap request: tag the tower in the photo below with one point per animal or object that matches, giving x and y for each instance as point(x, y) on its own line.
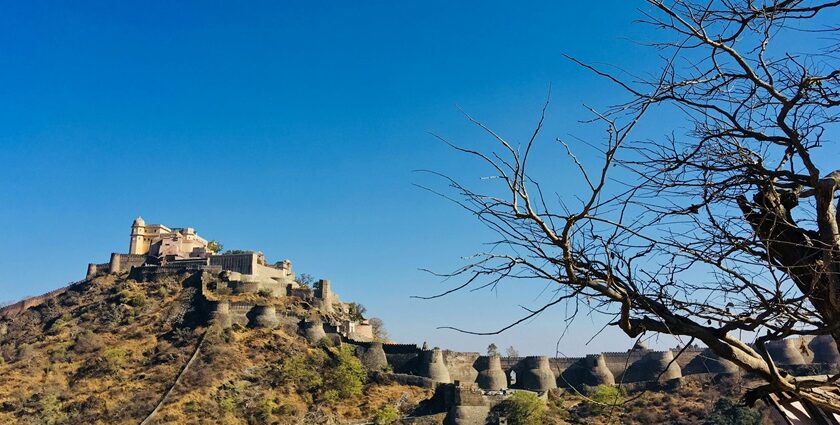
point(139, 244)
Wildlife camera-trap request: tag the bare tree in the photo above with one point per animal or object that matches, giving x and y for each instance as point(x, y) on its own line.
point(728, 228)
point(378, 329)
point(511, 352)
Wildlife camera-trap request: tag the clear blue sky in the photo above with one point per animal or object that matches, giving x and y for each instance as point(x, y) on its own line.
point(292, 128)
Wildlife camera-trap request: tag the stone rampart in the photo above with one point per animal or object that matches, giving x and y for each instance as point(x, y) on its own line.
point(461, 365)
point(588, 371)
point(19, 307)
point(152, 272)
point(491, 377)
point(786, 352)
point(240, 263)
point(432, 366)
point(653, 366)
point(708, 362)
point(124, 262)
point(824, 350)
point(95, 269)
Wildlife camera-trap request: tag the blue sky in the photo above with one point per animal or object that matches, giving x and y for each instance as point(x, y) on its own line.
point(293, 128)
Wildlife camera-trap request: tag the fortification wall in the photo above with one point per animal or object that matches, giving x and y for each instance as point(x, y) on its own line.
point(124, 262)
point(403, 358)
point(618, 362)
point(19, 307)
point(461, 365)
point(240, 263)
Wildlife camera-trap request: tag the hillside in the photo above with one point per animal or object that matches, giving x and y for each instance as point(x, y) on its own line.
point(108, 349)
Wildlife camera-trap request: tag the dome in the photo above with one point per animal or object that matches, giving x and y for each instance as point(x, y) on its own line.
point(139, 221)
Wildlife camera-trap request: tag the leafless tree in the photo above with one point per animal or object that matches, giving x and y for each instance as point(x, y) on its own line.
point(378, 329)
point(728, 228)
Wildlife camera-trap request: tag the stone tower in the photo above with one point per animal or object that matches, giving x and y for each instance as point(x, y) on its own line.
point(139, 244)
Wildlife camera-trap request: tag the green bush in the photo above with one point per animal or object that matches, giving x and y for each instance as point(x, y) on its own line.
point(303, 372)
point(227, 405)
point(522, 408)
point(267, 408)
point(51, 409)
point(728, 412)
point(115, 358)
point(348, 375)
point(134, 298)
point(603, 399)
point(387, 415)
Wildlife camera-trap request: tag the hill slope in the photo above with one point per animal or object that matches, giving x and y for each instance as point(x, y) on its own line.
point(107, 350)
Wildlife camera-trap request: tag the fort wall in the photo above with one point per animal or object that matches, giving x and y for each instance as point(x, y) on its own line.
point(240, 263)
point(124, 262)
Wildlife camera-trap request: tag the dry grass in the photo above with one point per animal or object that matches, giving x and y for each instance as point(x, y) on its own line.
point(104, 353)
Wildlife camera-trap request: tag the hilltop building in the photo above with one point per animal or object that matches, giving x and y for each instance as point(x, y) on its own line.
point(155, 250)
point(160, 241)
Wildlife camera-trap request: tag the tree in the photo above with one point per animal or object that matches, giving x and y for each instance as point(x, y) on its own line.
point(357, 311)
point(511, 352)
point(215, 246)
point(522, 408)
point(378, 328)
point(603, 400)
point(727, 412)
point(387, 415)
point(492, 350)
point(305, 280)
point(725, 226)
point(348, 375)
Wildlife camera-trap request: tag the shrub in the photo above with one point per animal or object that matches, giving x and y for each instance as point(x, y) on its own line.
point(227, 405)
point(387, 415)
point(51, 409)
point(347, 376)
point(603, 399)
point(522, 408)
point(115, 358)
point(265, 293)
point(25, 353)
point(87, 342)
point(728, 412)
point(60, 323)
point(267, 408)
point(134, 298)
point(302, 371)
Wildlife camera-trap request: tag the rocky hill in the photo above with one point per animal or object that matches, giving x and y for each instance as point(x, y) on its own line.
point(159, 350)
point(110, 350)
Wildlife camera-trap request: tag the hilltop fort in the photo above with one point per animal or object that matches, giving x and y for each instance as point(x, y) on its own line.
point(241, 289)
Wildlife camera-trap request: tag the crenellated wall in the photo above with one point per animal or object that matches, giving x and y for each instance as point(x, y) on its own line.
point(636, 366)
